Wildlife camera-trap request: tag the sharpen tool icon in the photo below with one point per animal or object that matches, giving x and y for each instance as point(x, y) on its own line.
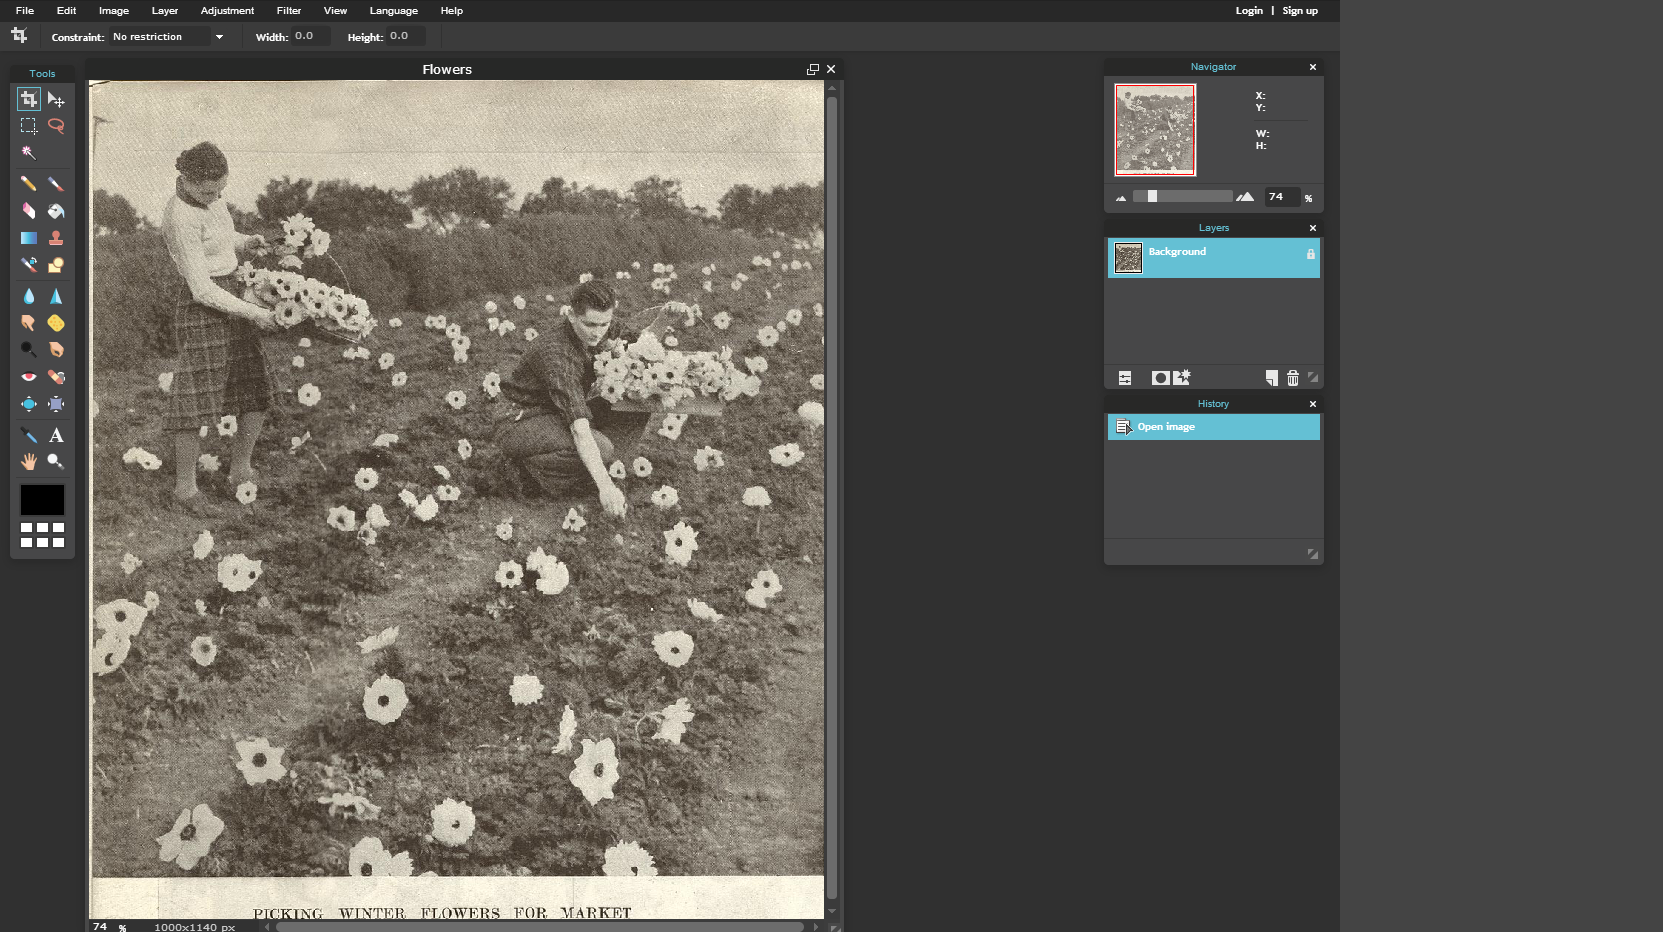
point(55, 298)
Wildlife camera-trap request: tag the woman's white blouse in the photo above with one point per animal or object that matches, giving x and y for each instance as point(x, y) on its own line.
point(203, 244)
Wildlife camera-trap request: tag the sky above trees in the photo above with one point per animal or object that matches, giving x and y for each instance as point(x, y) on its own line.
point(708, 135)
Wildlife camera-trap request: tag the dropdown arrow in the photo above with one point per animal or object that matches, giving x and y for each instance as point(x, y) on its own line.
point(219, 35)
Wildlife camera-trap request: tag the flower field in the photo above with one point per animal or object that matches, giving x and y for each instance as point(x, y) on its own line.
point(388, 655)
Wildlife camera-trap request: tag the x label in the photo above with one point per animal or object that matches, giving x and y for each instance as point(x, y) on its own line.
point(831, 69)
point(1313, 67)
point(1313, 404)
point(1313, 228)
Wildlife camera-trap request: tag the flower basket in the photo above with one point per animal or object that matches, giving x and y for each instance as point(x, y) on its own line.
point(705, 406)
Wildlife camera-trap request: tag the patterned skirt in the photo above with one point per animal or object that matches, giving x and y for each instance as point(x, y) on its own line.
point(222, 366)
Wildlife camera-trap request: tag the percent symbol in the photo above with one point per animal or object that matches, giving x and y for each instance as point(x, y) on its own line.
point(1308, 198)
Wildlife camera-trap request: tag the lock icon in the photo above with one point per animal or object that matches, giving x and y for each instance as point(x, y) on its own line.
point(1293, 377)
point(1310, 253)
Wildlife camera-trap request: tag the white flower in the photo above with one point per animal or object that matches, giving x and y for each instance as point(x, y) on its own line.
point(553, 577)
point(519, 303)
point(666, 497)
point(260, 761)
point(308, 395)
point(204, 650)
point(642, 467)
point(448, 493)
point(707, 458)
point(794, 317)
point(443, 471)
point(407, 497)
point(526, 689)
point(680, 542)
point(617, 470)
point(490, 307)
point(427, 510)
point(596, 770)
point(786, 454)
point(109, 652)
point(375, 642)
point(817, 381)
point(757, 364)
point(756, 597)
point(574, 522)
point(628, 859)
point(247, 492)
point(819, 311)
point(367, 536)
point(123, 617)
point(130, 564)
point(702, 611)
point(492, 384)
point(228, 425)
point(366, 479)
point(342, 518)
point(530, 334)
point(757, 497)
point(295, 442)
point(165, 381)
point(671, 428)
point(454, 331)
point(395, 322)
point(453, 823)
point(464, 449)
point(768, 336)
point(568, 728)
point(151, 600)
point(722, 319)
point(399, 378)
point(509, 574)
point(585, 277)
point(813, 412)
point(505, 530)
point(201, 607)
point(299, 362)
point(675, 721)
point(673, 647)
point(385, 440)
point(368, 858)
point(767, 581)
point(305, 343)
point(456, 399)
point(671, 340)
point(386, 361)
point(204, 545)
point(192, 834)
point(208, 462)
point(376, 517)
point(384, 700)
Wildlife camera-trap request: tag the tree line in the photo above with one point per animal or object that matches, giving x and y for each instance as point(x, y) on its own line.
point(463, 198)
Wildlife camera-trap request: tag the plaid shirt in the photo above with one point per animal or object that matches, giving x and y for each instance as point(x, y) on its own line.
point(557, 375)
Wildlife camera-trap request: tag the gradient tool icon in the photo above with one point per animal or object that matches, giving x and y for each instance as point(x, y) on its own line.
point(55, 322)
point(27, 238)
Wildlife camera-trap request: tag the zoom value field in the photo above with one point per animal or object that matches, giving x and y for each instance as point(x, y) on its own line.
point(1213, 135)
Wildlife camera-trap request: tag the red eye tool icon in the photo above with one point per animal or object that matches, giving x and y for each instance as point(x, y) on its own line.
point(56, 124)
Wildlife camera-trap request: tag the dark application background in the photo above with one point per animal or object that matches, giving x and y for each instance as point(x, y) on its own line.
point(1166, 748)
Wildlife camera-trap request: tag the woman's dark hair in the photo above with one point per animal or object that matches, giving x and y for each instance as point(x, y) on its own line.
point(593, 295)
point(202, 162)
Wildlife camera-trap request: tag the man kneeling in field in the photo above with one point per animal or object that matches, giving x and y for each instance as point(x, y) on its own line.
point(550, 425)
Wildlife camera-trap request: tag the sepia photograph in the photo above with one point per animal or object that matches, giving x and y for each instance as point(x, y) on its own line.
point(1154, 129)
point(457, 491)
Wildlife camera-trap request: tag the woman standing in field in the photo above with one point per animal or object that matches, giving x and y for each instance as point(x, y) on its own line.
point(222, 367)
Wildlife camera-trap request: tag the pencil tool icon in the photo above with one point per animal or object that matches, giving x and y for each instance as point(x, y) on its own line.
point(26, 180)
point(54, 182)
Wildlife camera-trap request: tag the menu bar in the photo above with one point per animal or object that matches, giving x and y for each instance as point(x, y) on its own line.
point(648, 10)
